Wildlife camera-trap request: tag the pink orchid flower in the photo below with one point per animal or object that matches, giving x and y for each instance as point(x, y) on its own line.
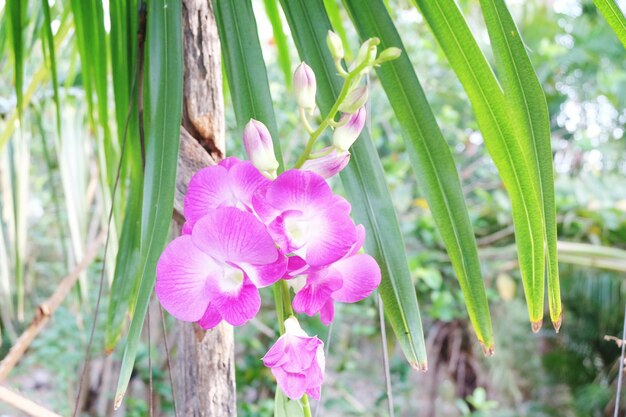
point(305, 218)
point(297, 362)
point(214, 273)
point(231, 183)
point(348, 280)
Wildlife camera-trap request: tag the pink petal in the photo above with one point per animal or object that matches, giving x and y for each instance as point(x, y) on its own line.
point(361, 276)
point(293, 385)
point(327, 313)
point(295, 188)
point(208, 189)
point(316, 293)
point(332, 234)
point(211, 318)
point(299, 353)
point(276, 355)
point(229, 234)
point(229, 162)
point(360, 240)
point(315, 376)
point(238, 306)
point(265, 275)
point(244, 180)
point(182, 273)
point(296, 266)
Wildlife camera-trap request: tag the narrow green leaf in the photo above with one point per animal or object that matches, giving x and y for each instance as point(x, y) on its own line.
point(271, 8)
point(48, 42)
point(364, 181)
point(245, 68)
point(508, 153)
point(124, 26)
point(14, 22)
point(612, 13)
point(528, 111)
point(163, 77)
point(431, 160)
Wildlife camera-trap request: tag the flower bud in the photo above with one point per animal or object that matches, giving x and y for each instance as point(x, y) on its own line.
point(259, 147)
point(335, 45)
point(330, 164)
point(346, 134)
point(297, 361)
point(366, 55)
point(305, 86)
point(389, 54)
point(354, 100)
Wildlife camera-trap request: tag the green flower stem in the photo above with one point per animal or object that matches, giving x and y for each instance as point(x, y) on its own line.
point(280, 309)
point(352, 78)
point(305, 405)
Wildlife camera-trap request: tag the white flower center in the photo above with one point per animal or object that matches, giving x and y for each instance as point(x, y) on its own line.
point(297, 229)
point(232, 279)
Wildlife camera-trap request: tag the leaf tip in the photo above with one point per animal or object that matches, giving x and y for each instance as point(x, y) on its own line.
point(487, 350)
point(118, 401)
point(419, 366)
point(536, 325)
point(557, 323)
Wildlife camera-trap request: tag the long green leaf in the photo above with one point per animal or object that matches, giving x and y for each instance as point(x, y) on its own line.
point(48, 42)
point(364, 181)
point(528, 110)
point(612, 13)
point(124, 41)
point(431, 160)
point(271, 8)
point(14, 21)
point(162, 115)
point(245, 68)
point(509, 154)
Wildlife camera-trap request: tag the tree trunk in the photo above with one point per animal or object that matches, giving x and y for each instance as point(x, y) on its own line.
point(204, 365)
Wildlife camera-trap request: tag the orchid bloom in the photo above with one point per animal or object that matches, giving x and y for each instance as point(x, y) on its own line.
point(231, 183)
point(305, 218)
point(350, 279)
point(297, 362)
point(214, 273)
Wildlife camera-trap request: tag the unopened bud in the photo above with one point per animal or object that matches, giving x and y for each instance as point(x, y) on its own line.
point(346, 134)
point(389, 54)
point(335, 45)
point(354, 100)
point(366, 55)
point(305, 86)
point(258, 143)
point(330, 164)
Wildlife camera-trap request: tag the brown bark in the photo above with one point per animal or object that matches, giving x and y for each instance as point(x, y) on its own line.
point(204, 365)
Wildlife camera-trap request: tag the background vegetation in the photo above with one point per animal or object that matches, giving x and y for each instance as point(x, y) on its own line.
point(53, 209)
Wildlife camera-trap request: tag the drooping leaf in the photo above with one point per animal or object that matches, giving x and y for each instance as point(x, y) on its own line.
point(365, 185)
point(511, 156)
point(528, 111)
point(163, 75)
point(431, 160)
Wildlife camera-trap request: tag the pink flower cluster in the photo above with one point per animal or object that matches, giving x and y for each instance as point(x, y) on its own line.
point(246, 229)
point(244, 232)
